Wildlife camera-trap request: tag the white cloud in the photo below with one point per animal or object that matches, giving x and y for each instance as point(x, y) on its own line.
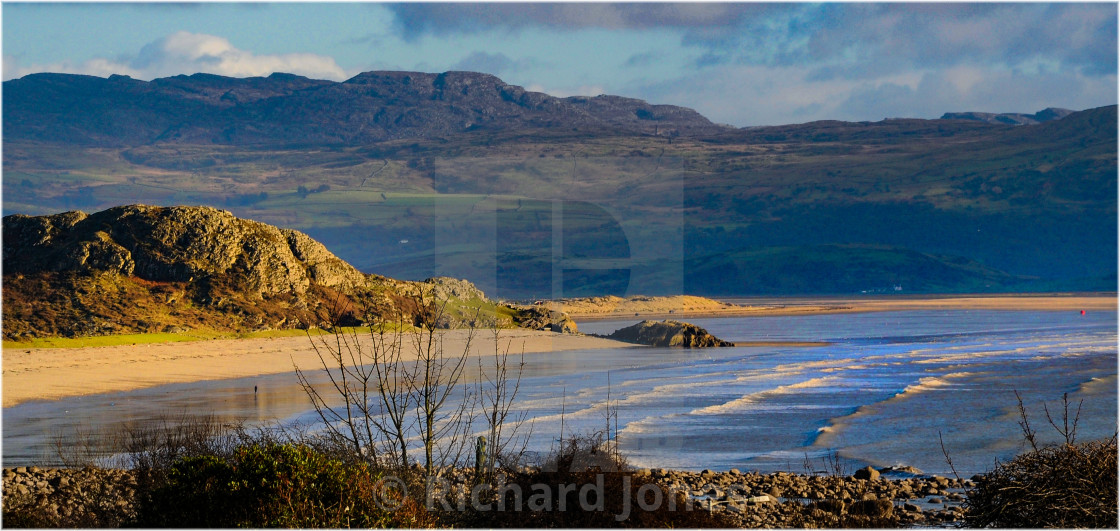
point(757, 95)
point(188, 53)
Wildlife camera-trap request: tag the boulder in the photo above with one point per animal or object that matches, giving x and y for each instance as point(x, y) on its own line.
point(541, 318)
point(868, 473)
point(668, 334)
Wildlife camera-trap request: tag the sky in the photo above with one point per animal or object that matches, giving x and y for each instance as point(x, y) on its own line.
point(743, 64)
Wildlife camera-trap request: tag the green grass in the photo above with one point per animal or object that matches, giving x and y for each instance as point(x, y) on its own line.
point(460, 309)
point(112, 340)
point(154, 337)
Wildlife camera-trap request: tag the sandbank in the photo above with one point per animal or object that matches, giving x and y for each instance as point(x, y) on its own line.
point(676, 308)
point(54, 373)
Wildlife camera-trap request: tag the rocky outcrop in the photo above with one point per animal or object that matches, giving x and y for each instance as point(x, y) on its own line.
point(174, 244)
point(668, 334)
point(542, 318)
point(140, 269)
point(1009, 118)
point(443, 288)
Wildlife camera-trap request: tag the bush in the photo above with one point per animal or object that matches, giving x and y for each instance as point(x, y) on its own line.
point(566, 491)
point(1067, 486)
point(276, 485)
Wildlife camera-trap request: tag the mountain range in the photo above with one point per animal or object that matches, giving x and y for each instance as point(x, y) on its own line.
point(288, 109)
point(413, 175)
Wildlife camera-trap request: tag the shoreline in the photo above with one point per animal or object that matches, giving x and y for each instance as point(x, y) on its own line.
point(784, 307)
point(51, 373)
point(31, 374)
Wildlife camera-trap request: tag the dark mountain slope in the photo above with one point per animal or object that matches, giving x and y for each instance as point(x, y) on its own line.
point(1045, 115)
point(288, 109)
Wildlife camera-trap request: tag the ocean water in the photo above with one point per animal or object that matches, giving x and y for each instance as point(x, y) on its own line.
point(889, 389)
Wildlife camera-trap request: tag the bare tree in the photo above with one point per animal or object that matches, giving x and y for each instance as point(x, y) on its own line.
point(347, 364)
point(399, 392)
point(433, 379)
point(498, 386)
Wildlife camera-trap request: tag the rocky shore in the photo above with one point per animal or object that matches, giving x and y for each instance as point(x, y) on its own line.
point(783, 499)
point(65, 497)
point(94, 497)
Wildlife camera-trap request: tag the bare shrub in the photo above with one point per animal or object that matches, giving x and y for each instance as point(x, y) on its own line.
point(1066, 485)
point(585, 483)
point(394, 391)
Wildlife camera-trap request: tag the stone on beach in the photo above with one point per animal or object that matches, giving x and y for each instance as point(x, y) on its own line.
point(868, 473)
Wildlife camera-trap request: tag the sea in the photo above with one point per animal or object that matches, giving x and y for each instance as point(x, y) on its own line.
point(937, 390)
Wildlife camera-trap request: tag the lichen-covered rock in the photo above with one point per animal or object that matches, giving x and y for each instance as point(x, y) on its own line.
point(173, 244)
point(542, 318)
point(443, 288)
point(867, 473)
point(669, 334)
point(138, 269)
point(323, 266)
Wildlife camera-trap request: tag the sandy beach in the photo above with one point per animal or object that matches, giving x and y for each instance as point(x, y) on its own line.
point(53, 373)
point(687, 306)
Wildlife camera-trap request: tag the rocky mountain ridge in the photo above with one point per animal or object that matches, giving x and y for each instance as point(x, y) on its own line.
point(286, 109)
point(142, 269)
point(1010, 118)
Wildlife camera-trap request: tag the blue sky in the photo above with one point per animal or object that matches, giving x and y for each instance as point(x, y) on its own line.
point(742, 64)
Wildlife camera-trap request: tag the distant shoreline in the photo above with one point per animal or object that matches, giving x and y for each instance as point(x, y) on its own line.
point(55, 373)
point(780, 306)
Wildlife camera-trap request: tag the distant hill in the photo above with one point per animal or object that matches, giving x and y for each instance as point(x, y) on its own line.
point(843, 269)
point(414, 175)
point(289, 109)
point(138, 269)
point(1045, 115)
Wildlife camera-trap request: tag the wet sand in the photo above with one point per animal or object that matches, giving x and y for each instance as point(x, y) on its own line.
point(53, 373)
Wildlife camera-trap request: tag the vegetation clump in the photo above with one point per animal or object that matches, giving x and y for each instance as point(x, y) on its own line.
point(1069, 485)
point(1066, 486)
point(587, 483)
point(276, 485)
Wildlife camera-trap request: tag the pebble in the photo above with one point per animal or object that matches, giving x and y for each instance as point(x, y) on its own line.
point(835, 497)
point(64, 497)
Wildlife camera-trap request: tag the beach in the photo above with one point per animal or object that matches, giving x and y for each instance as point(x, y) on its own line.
point(54, 373)
point(687, 306)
